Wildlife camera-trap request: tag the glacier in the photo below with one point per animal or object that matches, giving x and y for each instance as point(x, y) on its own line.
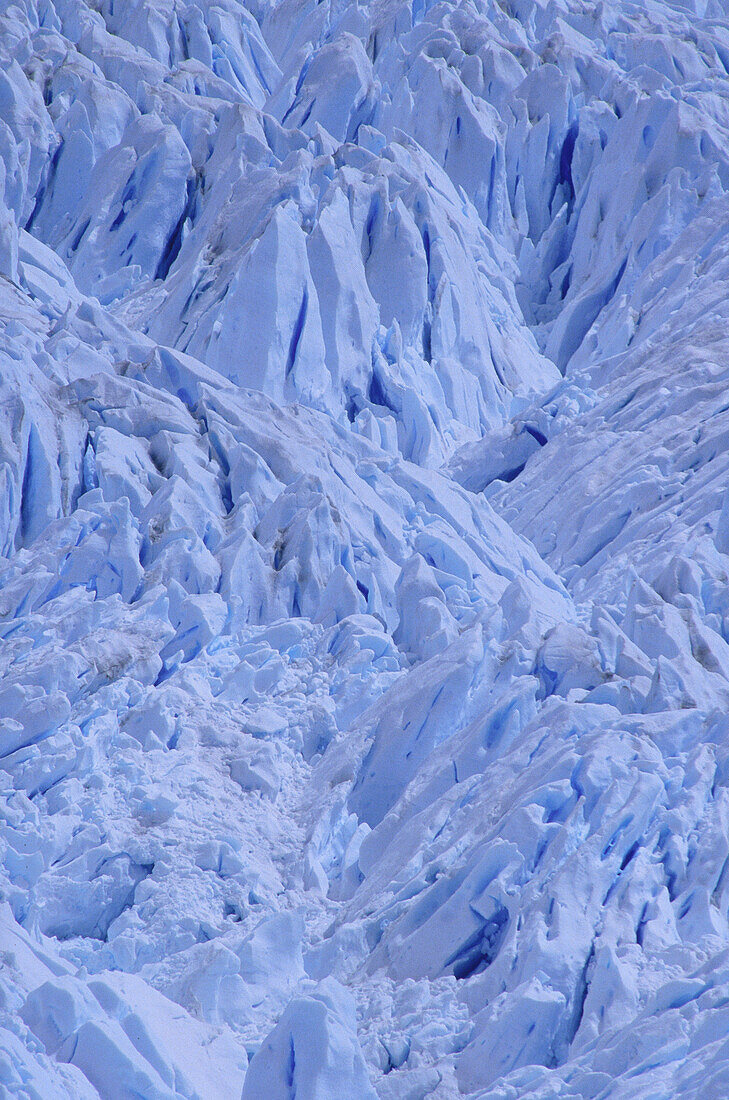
point(364, 549)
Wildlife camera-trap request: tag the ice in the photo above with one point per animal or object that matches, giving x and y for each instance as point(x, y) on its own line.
point(312, 1050)
point(112, 1028)
point(364, 629)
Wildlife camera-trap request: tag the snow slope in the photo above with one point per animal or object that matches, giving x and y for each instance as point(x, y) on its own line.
point(364, 521)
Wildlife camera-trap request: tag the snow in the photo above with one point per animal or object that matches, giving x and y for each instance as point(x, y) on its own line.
point(364, 630)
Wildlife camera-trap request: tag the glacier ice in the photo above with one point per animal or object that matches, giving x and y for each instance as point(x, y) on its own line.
point(364, 628)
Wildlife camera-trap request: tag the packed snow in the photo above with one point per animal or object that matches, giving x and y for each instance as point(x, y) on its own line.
point(364, 535)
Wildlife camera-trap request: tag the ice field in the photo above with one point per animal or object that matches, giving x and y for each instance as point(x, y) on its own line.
point(364, 549)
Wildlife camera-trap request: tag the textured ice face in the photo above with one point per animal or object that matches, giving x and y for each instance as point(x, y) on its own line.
point(364, 631)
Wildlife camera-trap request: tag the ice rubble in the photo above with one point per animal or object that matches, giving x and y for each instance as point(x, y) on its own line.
point(364, 523)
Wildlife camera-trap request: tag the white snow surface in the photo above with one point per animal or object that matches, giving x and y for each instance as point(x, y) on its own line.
point(364, 535)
